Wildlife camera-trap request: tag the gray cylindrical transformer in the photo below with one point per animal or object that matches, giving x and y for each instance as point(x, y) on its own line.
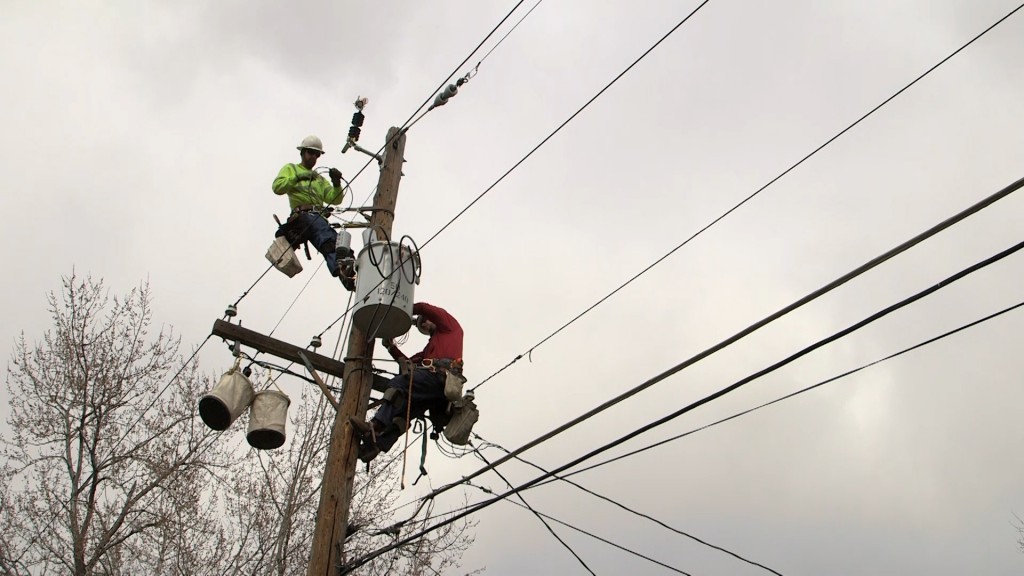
point(344, 240)
point(384, 289)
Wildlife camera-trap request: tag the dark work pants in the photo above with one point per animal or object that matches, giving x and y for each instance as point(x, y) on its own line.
point(315, 228)
point(427, 394)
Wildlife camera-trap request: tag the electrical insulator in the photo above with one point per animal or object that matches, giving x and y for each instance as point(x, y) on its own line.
point(315, 342)
point(444, 95)
point(231, 311)
point(357, 122)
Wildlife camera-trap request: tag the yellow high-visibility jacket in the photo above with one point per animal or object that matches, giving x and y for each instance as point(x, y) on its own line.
point(317, 191)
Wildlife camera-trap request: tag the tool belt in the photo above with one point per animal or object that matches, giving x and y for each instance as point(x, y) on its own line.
point(452, 371)
point(442, 365)
point(303, 208)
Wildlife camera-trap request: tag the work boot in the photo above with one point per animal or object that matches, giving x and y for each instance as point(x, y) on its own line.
point(367, 451)
point(363, 429)
point(349, 282)
point(347, 273)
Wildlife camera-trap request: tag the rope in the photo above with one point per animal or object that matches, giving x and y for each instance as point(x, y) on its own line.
point(408, 427)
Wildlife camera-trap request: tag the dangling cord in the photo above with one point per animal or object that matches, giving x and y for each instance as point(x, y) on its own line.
point(423, 457)
point(408, 424)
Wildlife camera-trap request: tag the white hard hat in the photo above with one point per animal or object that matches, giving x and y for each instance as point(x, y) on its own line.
point(311, 143)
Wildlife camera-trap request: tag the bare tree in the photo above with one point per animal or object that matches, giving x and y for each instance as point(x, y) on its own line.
point(108, 470)
point(105, 456)
point(1019, 526)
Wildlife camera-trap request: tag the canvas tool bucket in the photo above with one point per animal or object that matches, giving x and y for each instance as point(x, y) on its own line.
point(283, 257)
point(453, 386)
point(228, 399)
point(267, 418)
point(464, 415)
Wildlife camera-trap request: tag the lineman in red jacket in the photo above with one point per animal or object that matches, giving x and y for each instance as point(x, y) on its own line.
point(443, 352)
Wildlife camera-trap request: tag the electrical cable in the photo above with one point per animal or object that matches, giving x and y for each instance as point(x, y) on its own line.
point(414, 249)
point(564, 544)
point(700, 402)
point(451, 450)
point(797, 393)
point(741, 203)
point(275, 368)
point(563, 124)
point(556, 477)
point(297, 296)
point(507, 34)
point(581, 531)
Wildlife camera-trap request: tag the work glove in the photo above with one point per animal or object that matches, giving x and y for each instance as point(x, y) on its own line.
point(335, 175)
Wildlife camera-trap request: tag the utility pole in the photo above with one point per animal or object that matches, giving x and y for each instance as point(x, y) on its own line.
point(336, 493)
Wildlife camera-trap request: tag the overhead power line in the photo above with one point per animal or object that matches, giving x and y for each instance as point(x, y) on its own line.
point(792, 394)
point(708, 398)
point(563, 124)
point(556, 477)
point(538, 515)
point(582, 531)
point(742, 202)
point(507, 34)
point(960, 216)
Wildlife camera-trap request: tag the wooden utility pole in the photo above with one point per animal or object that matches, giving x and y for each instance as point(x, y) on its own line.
point(336, 493)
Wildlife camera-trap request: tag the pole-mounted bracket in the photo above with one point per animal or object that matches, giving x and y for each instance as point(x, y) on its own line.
point(320, 382)
point(352, 144)
point(366, 212)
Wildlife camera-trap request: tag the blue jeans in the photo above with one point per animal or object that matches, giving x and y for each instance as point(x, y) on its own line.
point(315, 229)
point(427, 394)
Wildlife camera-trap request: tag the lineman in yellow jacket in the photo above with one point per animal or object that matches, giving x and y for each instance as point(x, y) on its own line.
point(308, 195)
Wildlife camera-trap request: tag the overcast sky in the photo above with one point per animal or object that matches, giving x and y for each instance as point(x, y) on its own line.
point(140, 140)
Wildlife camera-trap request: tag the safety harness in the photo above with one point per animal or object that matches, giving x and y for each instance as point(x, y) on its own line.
point(461, 410)
point(290, 229)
